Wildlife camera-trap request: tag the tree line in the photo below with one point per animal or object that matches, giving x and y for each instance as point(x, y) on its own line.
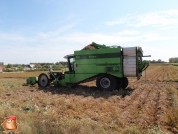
point(157, 61)
point(57, 66)
point(173, 60)
point(37, 66)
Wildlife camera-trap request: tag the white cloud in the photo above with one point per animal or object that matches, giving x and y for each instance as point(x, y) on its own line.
point(48, 35)
point(114, 38)
point(154, 37)
point(156, 18)
point(12, 37)
point(52, 46)
point(85, 38)
point(157, 52)
point(128, 32)
point(39, 53)
point(116, 22)
point(171, 12)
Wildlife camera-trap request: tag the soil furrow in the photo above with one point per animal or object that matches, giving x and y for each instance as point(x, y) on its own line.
point(133, 107)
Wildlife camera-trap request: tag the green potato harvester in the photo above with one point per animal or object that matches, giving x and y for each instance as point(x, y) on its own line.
point(109, 65)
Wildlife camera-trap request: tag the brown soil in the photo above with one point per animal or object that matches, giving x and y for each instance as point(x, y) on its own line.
point(144, 103)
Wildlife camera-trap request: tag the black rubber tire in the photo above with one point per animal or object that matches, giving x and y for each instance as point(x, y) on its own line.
point(118, 83)
point(106, 82)
point(43, 80)
point(122, 83)
point(125, 82)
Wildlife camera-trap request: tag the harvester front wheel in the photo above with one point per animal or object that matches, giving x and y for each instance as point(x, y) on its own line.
point(106, 82)
point(43, 80)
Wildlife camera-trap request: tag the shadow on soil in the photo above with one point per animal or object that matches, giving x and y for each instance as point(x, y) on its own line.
point(88, 91)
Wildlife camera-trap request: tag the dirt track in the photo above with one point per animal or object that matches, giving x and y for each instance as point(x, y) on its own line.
point(144, 103)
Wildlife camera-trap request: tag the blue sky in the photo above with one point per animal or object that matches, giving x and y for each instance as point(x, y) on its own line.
point(47, 30)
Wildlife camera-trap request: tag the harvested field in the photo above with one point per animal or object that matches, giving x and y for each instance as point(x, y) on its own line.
point(148, 105)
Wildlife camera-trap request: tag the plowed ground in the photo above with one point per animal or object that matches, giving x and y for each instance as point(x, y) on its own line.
point(142, 107)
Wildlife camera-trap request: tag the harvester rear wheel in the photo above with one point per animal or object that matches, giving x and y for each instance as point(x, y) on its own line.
point(125, 82)
point(106, 82)
point(122, 83)
point(43, 80)
point(118, 83)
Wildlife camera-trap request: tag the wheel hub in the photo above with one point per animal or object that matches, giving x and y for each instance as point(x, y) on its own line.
point(43, 80)
point(105, 82)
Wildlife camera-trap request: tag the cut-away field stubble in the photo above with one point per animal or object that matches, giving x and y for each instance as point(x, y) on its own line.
point(148, 105)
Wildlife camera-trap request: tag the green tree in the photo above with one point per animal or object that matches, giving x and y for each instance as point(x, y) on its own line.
point(173, 60)
point(9, 66)
point(159, 61)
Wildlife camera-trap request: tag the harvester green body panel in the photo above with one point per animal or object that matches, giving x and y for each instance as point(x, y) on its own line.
point(90, 63)
point(76, 78)
point(85, 69)
point(85, 56)
point(60, 82)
